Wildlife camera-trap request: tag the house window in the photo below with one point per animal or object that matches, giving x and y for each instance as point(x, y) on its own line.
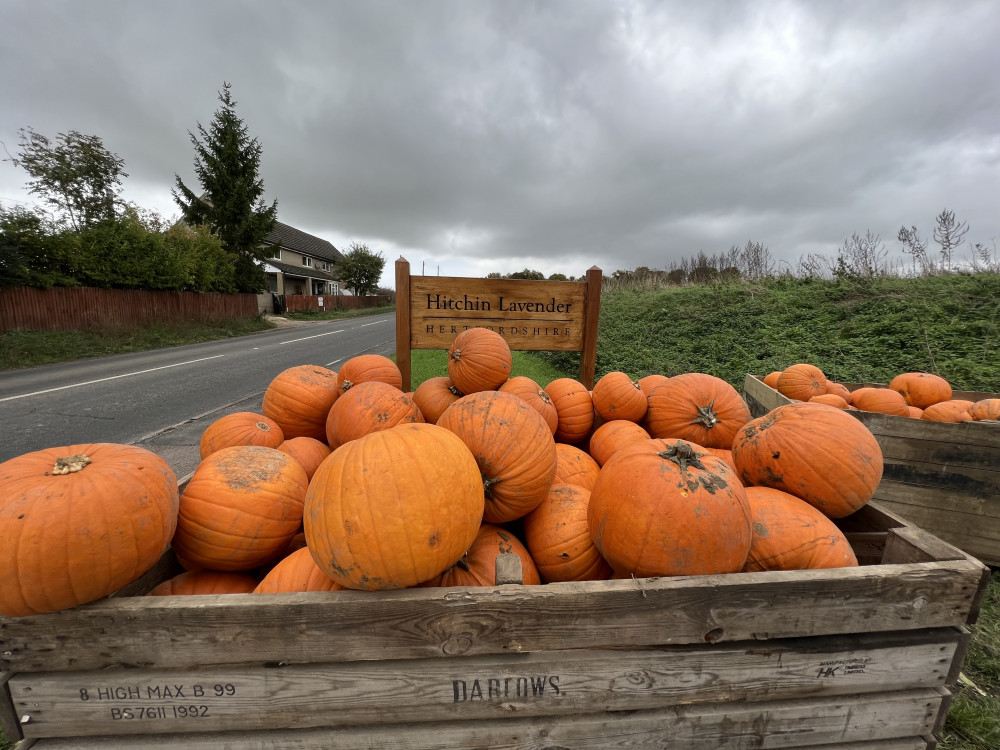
point(306, 261)
point(275, 254)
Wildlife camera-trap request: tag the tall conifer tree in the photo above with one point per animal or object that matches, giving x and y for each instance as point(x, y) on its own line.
point(226, 162)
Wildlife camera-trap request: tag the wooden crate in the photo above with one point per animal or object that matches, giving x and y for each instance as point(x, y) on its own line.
point(942, 477)
point(853, 658)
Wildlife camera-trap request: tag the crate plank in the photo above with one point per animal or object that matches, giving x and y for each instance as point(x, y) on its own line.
point(167, 632)
point(812, 723)
point(65, 704)
point(8, 715)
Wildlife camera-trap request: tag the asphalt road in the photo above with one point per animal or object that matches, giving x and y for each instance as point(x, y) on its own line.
point(164, 399)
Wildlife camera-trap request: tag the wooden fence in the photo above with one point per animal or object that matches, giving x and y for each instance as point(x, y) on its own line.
point(302, 302)
point(82, 308)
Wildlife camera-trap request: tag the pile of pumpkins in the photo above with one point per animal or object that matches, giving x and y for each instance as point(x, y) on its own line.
point(345, 481)
point(919, 395)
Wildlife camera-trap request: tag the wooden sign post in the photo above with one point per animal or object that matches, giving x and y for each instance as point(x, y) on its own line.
point(530, 315)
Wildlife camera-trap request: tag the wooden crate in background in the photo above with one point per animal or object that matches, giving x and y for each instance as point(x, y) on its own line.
point(942, 477)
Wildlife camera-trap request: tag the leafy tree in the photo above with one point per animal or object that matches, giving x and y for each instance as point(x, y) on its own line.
point(494, 275)
point(361, 269)
point(75, 174)
point(949, 235)
point(527, 273)
point(226, 162)
point(558, 277)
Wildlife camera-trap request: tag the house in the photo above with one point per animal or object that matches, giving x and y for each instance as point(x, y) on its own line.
point(301, 263)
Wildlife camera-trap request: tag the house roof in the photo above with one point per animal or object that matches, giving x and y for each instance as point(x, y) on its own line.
point(302, 242)
point(304, 272)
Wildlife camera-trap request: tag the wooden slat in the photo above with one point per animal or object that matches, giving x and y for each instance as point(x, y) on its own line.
point(120, 701)
point(403, 321)
point(959, 529)
point(915, 545)
point(8, 715)
point(591, 323)
point(883, 721)
point(417, 623)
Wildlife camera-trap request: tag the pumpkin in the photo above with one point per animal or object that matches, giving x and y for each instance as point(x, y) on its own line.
point(435, 395)
point(954, 410)
point(830, 399)
point(369, 407)
point(771, 379)
point(369, 368)
point(394, 508)
point(921, 389)
point(669, 507)
point(204, 582)
point(915, 412)
point(478, 360)
point(699, 408)
point(574, 466)
point(575, 408)
point(478, 567)
point(838, 389)
point(790, 534)
point(241, 508)
point(801, 382)
point(612, 436)
point(308, 451)
point(513, 448)
point(726, 455)
point(79, 522)
point(534, 396)
point(649, 382)
point(241, 428)
point(987, 408)
point(617, 396)
point(557, 535)
point(297, 572)
point(299, 399)
point(881, 400)
point(813, 451)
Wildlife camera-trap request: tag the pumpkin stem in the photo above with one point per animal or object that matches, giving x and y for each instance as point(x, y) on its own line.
point(683, 455)
point(346, 386)
point(455, 390)
point(706, 417)
point(462, 563)
point(70, 464)
point(263, 427)
point(488, 486)
point(544, 396)
point(457, 355)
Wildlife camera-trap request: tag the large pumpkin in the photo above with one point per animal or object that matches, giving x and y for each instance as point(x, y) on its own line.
point(394, 508)
point(204, 583)
point(369, 407)
point(574, 466)
point(79, 522)
point(241, 508)
point(575, 408)
point(240, 428)
point(512, 446)
point(435, 395)
point(368, 368)
point(478, 566)
point(790, 534)
point(617, 396)
point(613, 436)
point(813, 451)
point(558, 537)
point(881, 400)
point(668, 507)
point(921, 389)
point(297, 572)
point(534, 396)
point(986, 409)
point(700, 408)
point(299, 399)
point(309, 452)
point(953, 410)
point(479, 360)
point(801, 382)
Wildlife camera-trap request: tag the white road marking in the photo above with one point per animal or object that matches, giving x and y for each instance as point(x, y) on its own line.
point(315, 336)
point(377, 322)
point(113, 377)
point(334, 362)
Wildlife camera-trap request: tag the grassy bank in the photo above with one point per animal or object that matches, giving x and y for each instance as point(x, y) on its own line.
point(338, 314)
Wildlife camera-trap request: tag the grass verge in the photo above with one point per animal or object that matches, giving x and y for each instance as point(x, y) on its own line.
point(338, 314)
point(432, 363)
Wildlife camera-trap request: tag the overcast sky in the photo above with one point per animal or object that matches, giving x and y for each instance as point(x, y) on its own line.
point(493, 136)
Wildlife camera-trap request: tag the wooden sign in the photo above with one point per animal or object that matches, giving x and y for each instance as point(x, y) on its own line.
point(531, 315)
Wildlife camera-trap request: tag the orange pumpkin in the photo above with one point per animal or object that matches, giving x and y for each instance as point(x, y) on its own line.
point(299, 399)
point(830, 399)
point(297, 572)
point(955, 410)
point(574, 466)
point(369, 368)
point(987, 408)
point(617, 396)
point(649, 382)
point(369, 407)
point(394, 508)
point(308, 451)
point(512, 446)
point(575, 408)
point(813, 451)
point(534, 396)
point(881, 400)
point(241, 428)
point(558, 537)
point(79, 522)
point(668, 507)
point(771, 379)
point(612, 436)
point(699, 408)
point(205, 582)
point(478, 360)
point(801, 382)
point(921, 389)
point(837, 389)
point(241, 508)
point(726, 455)
point(435, 395)
point(915, 412)
point(790, 534)
point(478, 567)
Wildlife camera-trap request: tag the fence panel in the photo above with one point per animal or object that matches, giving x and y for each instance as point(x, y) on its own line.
point(305, 302)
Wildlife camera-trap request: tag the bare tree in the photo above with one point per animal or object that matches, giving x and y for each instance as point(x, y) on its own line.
point(815, 266)
point(949, 235)
point(914, 246)
point(984, 257)
point(755, 261)
point(862, 257)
